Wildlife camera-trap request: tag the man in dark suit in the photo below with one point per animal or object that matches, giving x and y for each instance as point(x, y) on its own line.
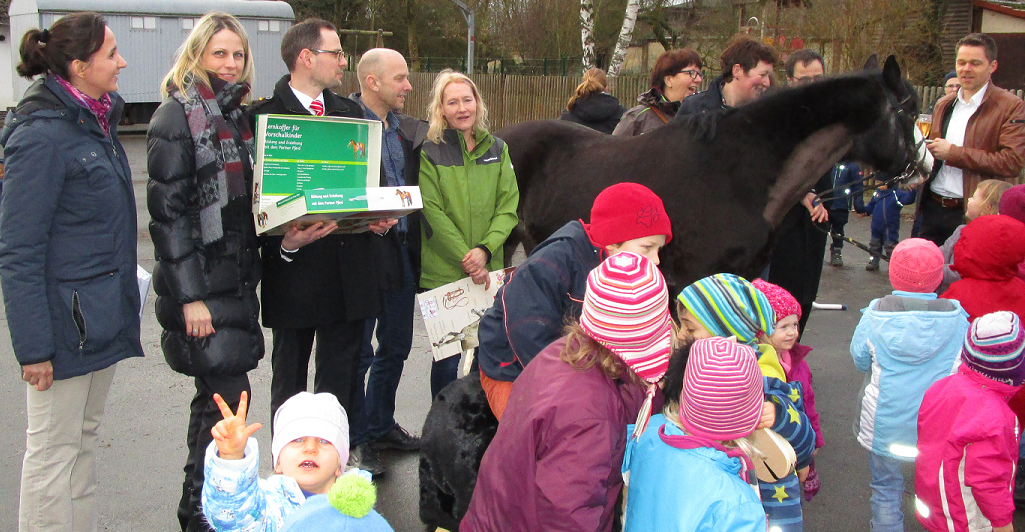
point(316, 285)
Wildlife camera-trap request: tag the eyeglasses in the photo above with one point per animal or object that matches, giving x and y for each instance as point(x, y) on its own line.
point(337, 53)
point(694, 74)
point(808, 79)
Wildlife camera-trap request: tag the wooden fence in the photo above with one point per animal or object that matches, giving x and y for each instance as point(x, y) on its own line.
point(514, 98)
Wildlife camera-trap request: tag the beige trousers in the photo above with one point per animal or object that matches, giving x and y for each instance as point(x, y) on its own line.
point(58, 475)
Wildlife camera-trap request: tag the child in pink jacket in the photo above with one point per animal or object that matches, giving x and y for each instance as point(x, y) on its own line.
point(967, 435)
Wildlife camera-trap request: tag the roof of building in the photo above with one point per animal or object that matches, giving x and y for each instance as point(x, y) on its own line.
point(1006, 7)
point(240, 8)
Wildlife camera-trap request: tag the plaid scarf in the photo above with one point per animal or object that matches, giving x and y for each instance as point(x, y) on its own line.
point(99, 108)
point(219, 167)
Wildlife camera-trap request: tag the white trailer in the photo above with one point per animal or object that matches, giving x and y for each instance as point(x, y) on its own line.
point(149, 33)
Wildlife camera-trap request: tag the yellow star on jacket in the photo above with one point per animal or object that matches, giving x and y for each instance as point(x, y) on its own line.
point(781, 493)
point(794, 416)
point(794, 394)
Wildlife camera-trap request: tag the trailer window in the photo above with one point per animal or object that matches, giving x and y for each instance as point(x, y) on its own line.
point(144, 23)
point(269, 25)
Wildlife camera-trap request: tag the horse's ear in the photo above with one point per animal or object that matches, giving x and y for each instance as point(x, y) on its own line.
point(891, 73)
point(872, 63)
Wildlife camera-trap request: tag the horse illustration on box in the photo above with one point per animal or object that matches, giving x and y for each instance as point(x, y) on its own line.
point(405, 197)
point(359, 149)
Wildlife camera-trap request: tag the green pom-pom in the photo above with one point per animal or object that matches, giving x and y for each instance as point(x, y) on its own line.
point(353, 495)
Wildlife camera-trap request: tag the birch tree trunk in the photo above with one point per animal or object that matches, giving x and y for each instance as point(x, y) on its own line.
point(587, 33)
point(625, 36)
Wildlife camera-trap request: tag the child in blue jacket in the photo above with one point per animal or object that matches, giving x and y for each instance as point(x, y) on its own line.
point(309, 451)
point(905, 342)
point(885, 210)
point(728, 305)
point(703, 439)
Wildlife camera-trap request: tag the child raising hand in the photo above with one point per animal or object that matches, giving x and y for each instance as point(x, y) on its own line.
point(309, 450)
point(231, 433)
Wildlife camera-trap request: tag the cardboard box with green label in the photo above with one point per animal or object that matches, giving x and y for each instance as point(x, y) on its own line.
point(311, 169)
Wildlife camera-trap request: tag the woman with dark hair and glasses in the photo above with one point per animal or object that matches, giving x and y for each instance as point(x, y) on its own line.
point(67, 260)
point(676, 75)
point(200, 160)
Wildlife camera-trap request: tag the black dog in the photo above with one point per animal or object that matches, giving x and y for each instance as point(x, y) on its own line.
point(457, 431)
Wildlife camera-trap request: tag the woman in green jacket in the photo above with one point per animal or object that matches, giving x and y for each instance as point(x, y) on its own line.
point(469, 194)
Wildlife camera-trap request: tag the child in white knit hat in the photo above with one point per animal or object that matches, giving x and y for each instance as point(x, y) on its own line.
point(309, 449)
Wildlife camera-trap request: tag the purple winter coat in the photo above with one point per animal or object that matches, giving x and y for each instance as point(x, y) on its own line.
point(799, 371)
point(555, 462)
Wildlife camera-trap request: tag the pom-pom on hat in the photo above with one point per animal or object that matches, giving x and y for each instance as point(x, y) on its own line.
point(346, 507)
point(722, 390)
point(995, 348)
point(783, 302)
point(729, 305)
point(1012, 203)
point(916, 265)
point(317, 415)
point(626, 211)
point(626, 309)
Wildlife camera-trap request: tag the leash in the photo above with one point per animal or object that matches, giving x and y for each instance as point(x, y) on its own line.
point(849, 240)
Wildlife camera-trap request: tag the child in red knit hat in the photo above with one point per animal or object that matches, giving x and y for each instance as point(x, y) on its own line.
point(531, 309)
point(792, 357)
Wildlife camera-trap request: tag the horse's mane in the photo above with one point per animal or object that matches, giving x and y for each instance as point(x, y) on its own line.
point(787, 104)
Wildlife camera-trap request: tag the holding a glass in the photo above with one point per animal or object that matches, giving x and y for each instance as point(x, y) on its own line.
point(924, 124)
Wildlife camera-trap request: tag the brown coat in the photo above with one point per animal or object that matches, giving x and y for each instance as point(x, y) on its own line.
point(994, 141)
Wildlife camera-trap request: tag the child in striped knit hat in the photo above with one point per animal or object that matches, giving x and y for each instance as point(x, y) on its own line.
point(968, 436)
point(792, 357)
point(702, 439)
point(556, 459)
point(728, 305)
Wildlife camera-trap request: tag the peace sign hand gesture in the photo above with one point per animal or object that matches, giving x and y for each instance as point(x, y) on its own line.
point(231, 433)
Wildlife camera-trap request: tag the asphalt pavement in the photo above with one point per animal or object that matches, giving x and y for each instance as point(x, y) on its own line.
point(142, 437)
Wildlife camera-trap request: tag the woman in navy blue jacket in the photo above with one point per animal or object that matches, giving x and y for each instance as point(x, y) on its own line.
point(67, 259)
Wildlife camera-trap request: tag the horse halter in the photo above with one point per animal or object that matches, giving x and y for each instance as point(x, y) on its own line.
point(912, 147)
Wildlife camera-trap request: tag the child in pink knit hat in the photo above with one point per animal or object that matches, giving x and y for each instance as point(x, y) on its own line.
point(792, 357)
point(905, 341)
point(555, 460)
point(702, 437)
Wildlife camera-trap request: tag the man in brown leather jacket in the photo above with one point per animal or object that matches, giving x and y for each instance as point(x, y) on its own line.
point(978, 133)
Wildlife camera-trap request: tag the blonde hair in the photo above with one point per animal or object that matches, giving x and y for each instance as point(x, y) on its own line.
point(187, 67)
point(435, 109)
point(594, 82)
point(583, 353)
point(991, 190)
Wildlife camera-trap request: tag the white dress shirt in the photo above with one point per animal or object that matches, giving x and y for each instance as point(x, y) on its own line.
point(306, 100)
point(949, 181)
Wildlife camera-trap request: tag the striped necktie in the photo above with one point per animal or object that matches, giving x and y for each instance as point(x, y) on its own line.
point(317, 108)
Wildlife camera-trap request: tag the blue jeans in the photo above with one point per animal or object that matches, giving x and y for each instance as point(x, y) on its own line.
point(395, 339)
point(443, 372)
point(887, 493)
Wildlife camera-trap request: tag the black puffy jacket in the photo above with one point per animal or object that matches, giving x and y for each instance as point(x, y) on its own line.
point(223, 274)
point(598, 111)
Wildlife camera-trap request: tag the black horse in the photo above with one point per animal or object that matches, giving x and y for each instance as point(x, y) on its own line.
point(726, 178)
